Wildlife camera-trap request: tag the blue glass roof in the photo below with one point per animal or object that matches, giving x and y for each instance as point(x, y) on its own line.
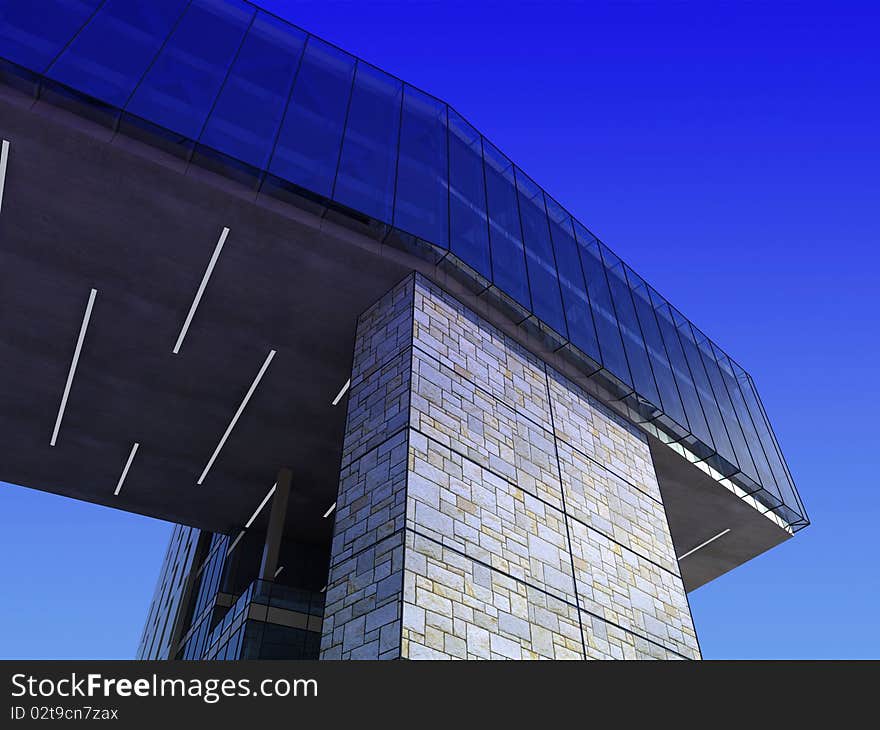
point(225, 80)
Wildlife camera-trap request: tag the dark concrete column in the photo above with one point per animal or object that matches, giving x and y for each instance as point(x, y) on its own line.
point(275, 530)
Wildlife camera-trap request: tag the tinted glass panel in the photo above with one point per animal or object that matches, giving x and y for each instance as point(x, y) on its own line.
point(604, 316)
point(467, 196)
point(636, 355)
point(108, 58)
point(780, 474)
point(422, 201)
point(578, 314)
point(308, 146)
point(747, 423)
point(672, 406)
point(731, 422)
point(33, 33)
point(247, 115)
point(704, 389)
point(682, 372)
point(505, 235)
point(365, 180)
point(540, 263)
point(179, 89)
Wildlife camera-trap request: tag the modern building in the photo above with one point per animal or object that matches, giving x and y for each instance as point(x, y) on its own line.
point(400, 402)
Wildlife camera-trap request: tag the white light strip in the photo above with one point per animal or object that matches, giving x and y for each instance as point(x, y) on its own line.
point(73, 364)
point(260, 508)
point(125, 470)
point(234, 543)
point(278, 572)
point(237, 415)
point(323, 589)
point(703, 544)
point(4, 159)
point(192, 310)
point(331, 508)
point(341, 393)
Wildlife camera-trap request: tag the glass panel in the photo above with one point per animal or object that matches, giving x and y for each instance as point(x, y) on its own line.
point(108, 58)
point(771, 448)
point(746, 421)
point(704, 390)
point(578, 314)
point(422, 198)
point(636, 355)
point(469, 238)
point(179, 89)
point(33, 33)
point(505, 234)
point(246, 117)
point(307, 151)
point(666, 384)
point(604, 316)
point(365, 181)
point(540, 263)
point(682, 372)
point(731, 422)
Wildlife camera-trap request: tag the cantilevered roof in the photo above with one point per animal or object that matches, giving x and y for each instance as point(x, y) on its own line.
point(227, 85)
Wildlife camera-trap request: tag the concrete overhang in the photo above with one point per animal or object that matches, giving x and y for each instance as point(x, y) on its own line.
point(87, 209)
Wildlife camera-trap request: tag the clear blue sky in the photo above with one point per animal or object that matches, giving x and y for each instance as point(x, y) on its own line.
point(730, 154)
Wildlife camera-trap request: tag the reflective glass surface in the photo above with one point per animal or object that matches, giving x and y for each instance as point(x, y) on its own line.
point(233, 79)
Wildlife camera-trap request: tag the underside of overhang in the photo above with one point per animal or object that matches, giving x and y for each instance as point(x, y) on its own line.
point(86, 210)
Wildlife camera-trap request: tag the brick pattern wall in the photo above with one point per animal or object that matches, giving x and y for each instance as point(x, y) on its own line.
point(488, 507)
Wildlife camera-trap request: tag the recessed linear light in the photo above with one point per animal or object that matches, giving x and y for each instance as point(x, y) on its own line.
point(126, 468)
point(237, 415)
point(341, 393)
point(323, 590)
point(330, 510)
point(703, 544)
point(4, 159)
point(73, 364)
point(252, 518)
point(234, 543)
point(278, 572)
point(260, 508)
point(201, 290)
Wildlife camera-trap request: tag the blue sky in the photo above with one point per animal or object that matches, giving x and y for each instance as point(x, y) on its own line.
point(729, 153)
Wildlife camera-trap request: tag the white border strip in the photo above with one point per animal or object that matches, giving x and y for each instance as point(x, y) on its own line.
point(4, 159)
point(341, 393)
point(237, 415)
point(73, 364)
point(125, 470)
point(195, 304)
point(703, 544)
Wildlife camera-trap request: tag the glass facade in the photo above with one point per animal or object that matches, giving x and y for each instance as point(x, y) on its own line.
point(226, 80)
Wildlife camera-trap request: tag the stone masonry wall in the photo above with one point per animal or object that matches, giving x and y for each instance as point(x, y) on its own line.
point(488, 507)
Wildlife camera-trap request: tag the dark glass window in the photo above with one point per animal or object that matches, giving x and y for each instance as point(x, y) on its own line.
point(422, 199)
point(505, 234)
point(604, 316)
point(33, 33)
point(540, 262)
point(771, 447)
point(681, 370)
point(307, 151)
point(365, 181)
point(731, 422)
point(467, 197)
point(180, 88)
point(578, 313)
point(108, 58)
point(656, 349)
point(248, 112)
point(745, 419)
point(704, 389)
